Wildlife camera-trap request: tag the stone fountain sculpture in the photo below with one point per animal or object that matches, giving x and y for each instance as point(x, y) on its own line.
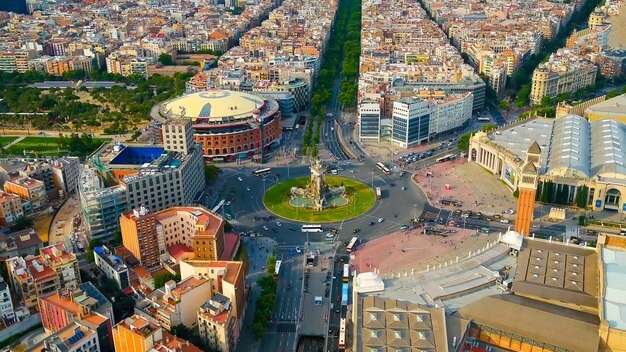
point(317, 191)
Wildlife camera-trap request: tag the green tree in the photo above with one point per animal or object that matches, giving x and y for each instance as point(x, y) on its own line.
point(612, 94)
point(161, 279)
point(211, 172)
point(489, 127)
point(581, 196)
point(22, 223)
point(166, 59)
point(89, 253)
point(582, 220)
point(516, 193)
point(463, 143)
point(522, 96)
point(506, 106)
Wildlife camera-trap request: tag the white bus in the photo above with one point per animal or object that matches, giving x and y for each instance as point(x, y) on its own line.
point(483, 119)
point(342, 333)
point(346, 272)
point(312, 228)
point(378, 193)
point(383, 168)
point(277, 269)
point(445, 158)
point(262, 172)
point(352, 244)
point(218, 207)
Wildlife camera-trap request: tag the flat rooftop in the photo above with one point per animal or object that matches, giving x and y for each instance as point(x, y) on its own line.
point(615, 287)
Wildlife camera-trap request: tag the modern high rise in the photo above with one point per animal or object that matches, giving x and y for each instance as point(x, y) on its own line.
point(410, 122)
point(369, 120)
point(193, 230)
point(528, 190)
point(121, 178)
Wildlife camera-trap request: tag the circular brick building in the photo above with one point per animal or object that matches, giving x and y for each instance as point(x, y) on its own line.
point(228, 123)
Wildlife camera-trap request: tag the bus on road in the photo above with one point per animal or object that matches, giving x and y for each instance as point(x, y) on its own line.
point(344, 294)
point(346, 272)
point(483, 119)
point(352, 244)
point(218, 207)
point(383, 168)
point(445, 158)
point(342, 334)
point(378, 193)
point(312, 228)
point(277, 269)
point(262, 172)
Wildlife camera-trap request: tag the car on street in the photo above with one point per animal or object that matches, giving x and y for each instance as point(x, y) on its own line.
point(278, 224)
point(504, 221)
point(356, 230)
point(338, 298)
point(227, 203)
point(266, 228)
point(239, 178)
point(298, 250)
point(380, 220)
point(248, 189)
point(536, 226)
point(330, 235)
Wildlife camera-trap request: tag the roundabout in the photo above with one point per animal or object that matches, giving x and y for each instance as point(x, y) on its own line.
point(357, 199)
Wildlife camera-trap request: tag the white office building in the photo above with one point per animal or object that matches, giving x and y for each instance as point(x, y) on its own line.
point(369, 121)
point(410, 122)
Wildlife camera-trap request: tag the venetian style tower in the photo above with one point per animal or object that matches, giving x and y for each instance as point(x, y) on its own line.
point(527, 190)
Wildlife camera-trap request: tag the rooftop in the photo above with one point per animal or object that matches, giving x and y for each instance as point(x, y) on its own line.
point(215, 104)
point(614, 302)
point(111, 259)
point(557, 271)
point(615, 105)
point(540, 321)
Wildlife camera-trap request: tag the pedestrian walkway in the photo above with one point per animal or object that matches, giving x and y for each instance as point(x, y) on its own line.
point(19, 139)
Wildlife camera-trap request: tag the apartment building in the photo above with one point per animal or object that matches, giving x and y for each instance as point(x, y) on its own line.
point(63, 263)
point(10, 208)
point(181, 302)
point(217, 325)
point(76, 337)
point(6, 305)
point(85, 305)
point(613, 62)
point(16, 61)
point(32, 278)
point(410, 122)
point(61, 308)
point(31, 191)
point(565, 72)
point(20, 243)
point(194, 230)
point(112, 266)
point(136, 333)
point(226, 277)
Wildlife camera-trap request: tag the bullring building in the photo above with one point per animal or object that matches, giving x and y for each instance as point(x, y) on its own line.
point(581, 162)
point(228, 124)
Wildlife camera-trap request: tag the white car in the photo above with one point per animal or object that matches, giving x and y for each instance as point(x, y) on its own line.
point(227, 203)
point(239, 178)
point(248, 189)
point(278, 224)
point(298, 250)
point(330, 235)
point(381, 219)
point(504, 221)
point(266, 228)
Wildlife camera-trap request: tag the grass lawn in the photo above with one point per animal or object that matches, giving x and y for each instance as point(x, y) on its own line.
point(362, 199)
point(44, 146)
point(4, 140)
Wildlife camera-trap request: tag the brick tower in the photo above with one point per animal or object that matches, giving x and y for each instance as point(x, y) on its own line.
point(527, 190)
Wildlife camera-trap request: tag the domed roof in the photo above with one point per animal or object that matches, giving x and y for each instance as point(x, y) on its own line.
point(214, 104)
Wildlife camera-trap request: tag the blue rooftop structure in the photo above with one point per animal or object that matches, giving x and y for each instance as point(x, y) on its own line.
point(137, 155)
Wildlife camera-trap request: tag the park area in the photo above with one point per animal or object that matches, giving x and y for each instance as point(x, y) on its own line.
point(55, 146)
point(361, 199)
point(4, 140)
